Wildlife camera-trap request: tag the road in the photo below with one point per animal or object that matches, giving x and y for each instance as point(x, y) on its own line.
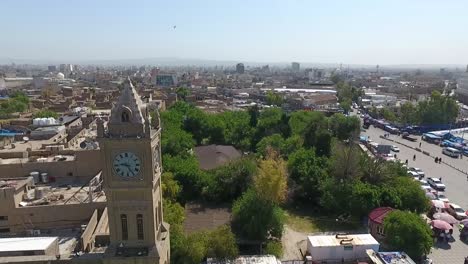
point(456, 184)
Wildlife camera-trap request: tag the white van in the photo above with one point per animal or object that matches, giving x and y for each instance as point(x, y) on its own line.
point(454, 153)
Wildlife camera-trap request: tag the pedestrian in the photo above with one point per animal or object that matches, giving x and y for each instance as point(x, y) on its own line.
point(440, 179)
point(406, 162)
point(467, 177)
point(394, 156)
point(419, 144)
point(436, 159)
point(414, 157)
point(440, 160)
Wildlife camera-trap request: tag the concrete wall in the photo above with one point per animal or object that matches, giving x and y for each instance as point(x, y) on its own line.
point(52, 216)
point(87, 163)
point(86, 240)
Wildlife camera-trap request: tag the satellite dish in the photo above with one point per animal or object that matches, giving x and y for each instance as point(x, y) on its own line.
point(83, 145)
point(25, 139)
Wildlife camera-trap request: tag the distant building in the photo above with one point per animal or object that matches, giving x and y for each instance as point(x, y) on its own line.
point(52, 68)
point(240, 69)
point(296, 66)
point(165, 80)
point(462, 89)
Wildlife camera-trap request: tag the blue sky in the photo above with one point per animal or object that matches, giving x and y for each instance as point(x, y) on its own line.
point(329, 31)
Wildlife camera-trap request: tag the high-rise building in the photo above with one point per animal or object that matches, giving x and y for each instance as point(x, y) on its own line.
point(131, 152)
point(296, 66)
point(52, 68)
point(240, 69)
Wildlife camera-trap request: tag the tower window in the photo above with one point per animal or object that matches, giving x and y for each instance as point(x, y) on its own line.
point(140, 231)
point(123, 220)
point(125, 116)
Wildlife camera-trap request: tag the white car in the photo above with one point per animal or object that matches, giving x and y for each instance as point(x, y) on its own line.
point(457, 212)
point(418, 171)
point(395, 149)
point(413, 174)
point(428, 188)
point(436, 183)
point(441, 196)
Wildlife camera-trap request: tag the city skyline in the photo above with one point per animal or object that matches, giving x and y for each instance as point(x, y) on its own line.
point(362, 32)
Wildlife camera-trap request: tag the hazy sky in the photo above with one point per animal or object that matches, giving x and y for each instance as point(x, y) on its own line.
point(329, 31)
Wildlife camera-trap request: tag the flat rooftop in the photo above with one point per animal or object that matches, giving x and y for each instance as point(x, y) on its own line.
point(70, 190)
point(67, 240)
point(336, 240)
point(25, 243)
point(54, 158)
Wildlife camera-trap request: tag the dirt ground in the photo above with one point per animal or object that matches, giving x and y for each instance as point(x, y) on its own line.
point(293, 242)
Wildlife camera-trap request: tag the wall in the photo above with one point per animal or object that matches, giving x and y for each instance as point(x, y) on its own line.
point(52, 216)
point(86, 240)
point(87, 163)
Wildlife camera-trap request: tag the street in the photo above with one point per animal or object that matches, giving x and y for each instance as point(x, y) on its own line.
point(456, 182)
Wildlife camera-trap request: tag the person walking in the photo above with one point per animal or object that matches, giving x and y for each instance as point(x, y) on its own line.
point(414, 157)
point(440, 160)
point(436, 159)
point(419, 144)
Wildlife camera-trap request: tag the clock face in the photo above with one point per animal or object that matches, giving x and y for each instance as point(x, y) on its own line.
point(127, 164)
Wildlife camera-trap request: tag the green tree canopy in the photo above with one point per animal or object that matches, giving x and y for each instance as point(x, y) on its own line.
point(44, 113)
point(344, 127)
point(307, 171)
point(270, 181)
point(408, 232)
point(257, 219)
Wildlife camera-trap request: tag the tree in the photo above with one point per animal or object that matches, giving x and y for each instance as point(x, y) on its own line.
point(238, 130)
point(187, 172)
point(221, 244)
point(44, 113)
point(345, 160)
point(230, 181)
point(307, 172)
point(316, 135)
point(274, 142)
point(257, 219)
point(176, 141)
point(299, 120)
point(408, 114)
point(182, 92)
point(411, 195)
point(439, 109)
point(408, 232)
point(273, 98)
point(270, 182)
point(344, 127)
point(170, 187)
point(364, 197)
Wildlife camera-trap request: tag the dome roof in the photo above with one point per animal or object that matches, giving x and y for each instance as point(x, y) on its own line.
point(60, 76)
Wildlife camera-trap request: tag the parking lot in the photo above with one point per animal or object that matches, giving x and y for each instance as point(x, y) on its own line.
point(452, 176)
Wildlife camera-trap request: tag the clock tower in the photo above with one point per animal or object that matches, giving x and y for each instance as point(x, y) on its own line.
point(131, 151)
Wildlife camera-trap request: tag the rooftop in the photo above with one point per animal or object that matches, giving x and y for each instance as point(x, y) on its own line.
point(378, 214)
point(339, 240)
point(25, 243)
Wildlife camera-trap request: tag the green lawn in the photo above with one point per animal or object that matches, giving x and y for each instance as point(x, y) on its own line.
point(309, 224)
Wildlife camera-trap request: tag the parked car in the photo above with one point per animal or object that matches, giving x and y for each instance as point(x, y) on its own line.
point(409, 137)
point(395, 149)
point(418, 171)
point(457, 212)
point(428, 188)
point(441, 196)
point(436, 183)
point(413, 174)
point(451, 152)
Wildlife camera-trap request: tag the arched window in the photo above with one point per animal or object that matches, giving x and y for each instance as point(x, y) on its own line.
point(140, 231)
point(123, 220)
point(125, 116)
